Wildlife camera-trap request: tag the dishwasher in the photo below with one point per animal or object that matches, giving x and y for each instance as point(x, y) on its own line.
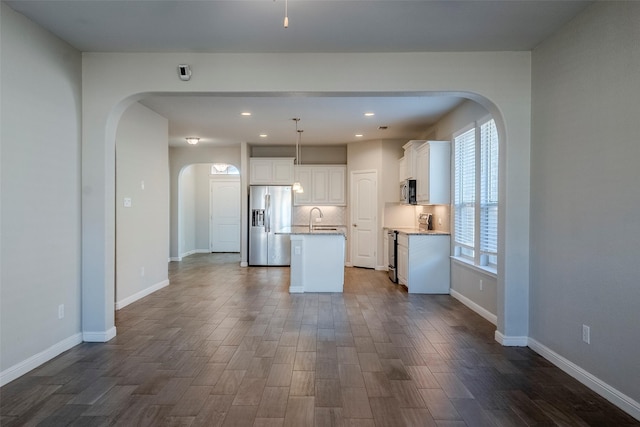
point(393, 255)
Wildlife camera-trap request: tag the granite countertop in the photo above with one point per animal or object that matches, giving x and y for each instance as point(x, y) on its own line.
point(417, 231)
point(338, 230)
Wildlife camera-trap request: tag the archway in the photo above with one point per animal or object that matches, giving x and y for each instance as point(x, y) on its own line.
point(499, 81)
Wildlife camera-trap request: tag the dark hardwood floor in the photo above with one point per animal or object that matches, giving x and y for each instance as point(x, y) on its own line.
point(229, 346)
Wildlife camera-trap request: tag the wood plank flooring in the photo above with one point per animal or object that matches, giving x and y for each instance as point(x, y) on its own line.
point(229, 346)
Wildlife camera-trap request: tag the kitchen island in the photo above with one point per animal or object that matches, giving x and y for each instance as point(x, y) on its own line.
point(317, 259)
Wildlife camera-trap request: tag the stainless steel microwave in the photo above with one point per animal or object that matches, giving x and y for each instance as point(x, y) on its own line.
point(408, 192)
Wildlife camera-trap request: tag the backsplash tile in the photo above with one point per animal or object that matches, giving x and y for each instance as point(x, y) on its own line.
point(332, 215)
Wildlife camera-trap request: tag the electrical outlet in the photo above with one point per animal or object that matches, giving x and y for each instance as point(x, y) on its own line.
point(60, 311)
point(586, 334)
point(439, 221)
point(481, 284)
point(141, 271)
point(127, 202)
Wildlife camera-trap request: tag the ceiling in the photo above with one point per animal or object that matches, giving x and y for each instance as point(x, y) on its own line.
point(247, 26)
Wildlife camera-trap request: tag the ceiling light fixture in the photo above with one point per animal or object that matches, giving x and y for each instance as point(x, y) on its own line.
point(192, 140)
point(369, 114)
point(263, 135)
point(359, 135)
point(245, 113)
point(220, 167)
point(297, 187)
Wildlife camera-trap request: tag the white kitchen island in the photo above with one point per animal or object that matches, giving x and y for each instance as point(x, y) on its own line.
point(317, 260)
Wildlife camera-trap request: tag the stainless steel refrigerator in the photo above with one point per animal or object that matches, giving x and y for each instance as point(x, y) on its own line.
point(269, 211)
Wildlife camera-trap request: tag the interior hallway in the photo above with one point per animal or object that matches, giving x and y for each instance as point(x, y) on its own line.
point(229, 346)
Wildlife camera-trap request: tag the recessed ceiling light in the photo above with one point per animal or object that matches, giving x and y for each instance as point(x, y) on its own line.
point(263, 135)
point(359, 135)
point(369, 114)
point(245, 113)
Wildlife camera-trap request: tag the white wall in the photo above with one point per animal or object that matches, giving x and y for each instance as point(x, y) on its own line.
point(142, 231)
point(203, 223)
point(40, 195)
point(465, 280)
point(585, 194)
point(187, 211)
point(381, 156)
point(180, 158)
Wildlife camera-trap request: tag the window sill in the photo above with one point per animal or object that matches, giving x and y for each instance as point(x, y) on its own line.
point(489, 271)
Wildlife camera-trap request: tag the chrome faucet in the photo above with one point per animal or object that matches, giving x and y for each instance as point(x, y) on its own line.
point(310, 212)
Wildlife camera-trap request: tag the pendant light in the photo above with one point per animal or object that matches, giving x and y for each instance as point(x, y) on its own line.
point(297, 187)
point(286, 14)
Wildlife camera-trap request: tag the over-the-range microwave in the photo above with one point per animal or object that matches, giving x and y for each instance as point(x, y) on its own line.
point(408, 192)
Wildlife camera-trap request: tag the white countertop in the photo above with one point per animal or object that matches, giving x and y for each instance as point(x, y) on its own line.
point(338, 230)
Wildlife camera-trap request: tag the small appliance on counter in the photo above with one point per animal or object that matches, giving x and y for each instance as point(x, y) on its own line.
point(408, 192)
point(425, 221)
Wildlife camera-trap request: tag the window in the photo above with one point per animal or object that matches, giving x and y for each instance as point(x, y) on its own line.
point(223, 169)
point(476, 193)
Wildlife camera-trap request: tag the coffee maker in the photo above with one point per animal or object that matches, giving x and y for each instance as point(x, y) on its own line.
point(425, 221)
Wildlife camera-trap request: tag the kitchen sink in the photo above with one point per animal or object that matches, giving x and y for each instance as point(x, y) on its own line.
point(324, 228)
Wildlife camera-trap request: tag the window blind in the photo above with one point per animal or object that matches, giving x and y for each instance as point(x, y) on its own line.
point(464, 189)
point(489, 188)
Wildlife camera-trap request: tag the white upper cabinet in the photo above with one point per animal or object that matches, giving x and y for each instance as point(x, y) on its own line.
point(271, 171)
point(433, 173)
point(323, 185)
point(408, 167)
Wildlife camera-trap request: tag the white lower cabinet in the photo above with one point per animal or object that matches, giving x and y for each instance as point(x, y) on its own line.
point(403, 262)
point(423, 263)
point(323, 185)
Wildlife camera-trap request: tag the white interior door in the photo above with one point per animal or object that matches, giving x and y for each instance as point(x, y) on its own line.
point(364, 223)
point(225, 215)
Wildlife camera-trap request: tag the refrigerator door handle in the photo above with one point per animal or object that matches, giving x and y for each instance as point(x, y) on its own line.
point(267, 213)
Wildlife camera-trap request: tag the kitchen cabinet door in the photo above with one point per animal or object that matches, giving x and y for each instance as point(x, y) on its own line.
point(270, 171)
point(323, 186)
point(337, 185)
point(303, 175)
point(433, 167)
point(403, 264)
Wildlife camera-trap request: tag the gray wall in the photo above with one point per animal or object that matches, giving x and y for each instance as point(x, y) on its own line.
point(40, 195)
point(585, 193)
point(309, 155)
point(142, 231)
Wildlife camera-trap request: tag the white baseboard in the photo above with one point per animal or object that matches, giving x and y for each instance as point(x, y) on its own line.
point(143, 293)
point(511, 341)
point(296, 289)
point(203, 251)
point(175, 258)
point(382, 268)
point(36, 360)
point(348, 264)
point(186, 254)
point(475, 307)
point(614, 396)
point(244, 264)
point(99, 336)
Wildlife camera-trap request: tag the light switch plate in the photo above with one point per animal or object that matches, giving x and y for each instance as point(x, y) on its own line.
point(127, 202)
